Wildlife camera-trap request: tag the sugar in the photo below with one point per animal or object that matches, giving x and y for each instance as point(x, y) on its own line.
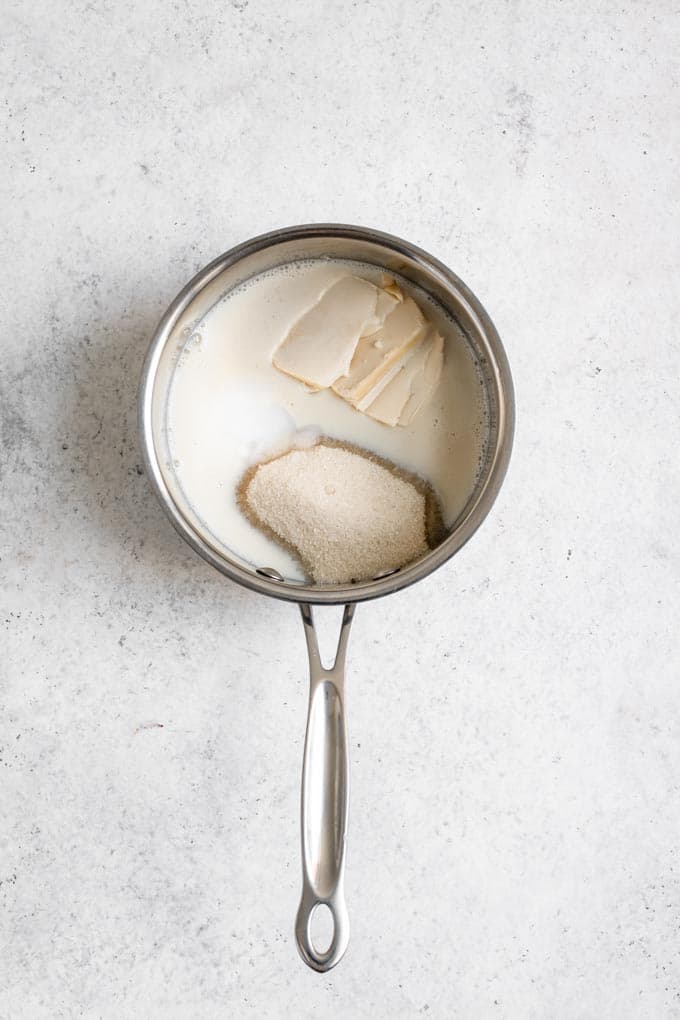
point(347, 514)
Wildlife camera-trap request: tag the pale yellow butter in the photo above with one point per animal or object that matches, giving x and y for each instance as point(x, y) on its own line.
point(371, 344)
point(384, 305)
point(375, 354)
point(319, 348)
point(411, 384)
point(390, 285)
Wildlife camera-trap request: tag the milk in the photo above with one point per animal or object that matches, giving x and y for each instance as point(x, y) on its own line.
point(228, 407)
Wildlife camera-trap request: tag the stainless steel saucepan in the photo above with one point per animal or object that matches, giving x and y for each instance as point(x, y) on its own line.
point(325, 780)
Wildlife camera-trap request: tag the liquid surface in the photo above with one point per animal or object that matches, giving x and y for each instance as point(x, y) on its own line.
point(229, 407)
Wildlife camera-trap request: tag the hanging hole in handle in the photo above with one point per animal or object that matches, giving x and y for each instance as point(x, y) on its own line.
point(322, 960)
point(321, 928)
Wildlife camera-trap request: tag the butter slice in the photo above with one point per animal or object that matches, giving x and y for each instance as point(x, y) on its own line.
point(390, 285)
point(390, 295)
point(376, 354)
point(318, 348)
point(384, 305)
point(411, 385)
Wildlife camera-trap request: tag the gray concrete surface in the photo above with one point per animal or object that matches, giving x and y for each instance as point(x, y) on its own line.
point(514, 719)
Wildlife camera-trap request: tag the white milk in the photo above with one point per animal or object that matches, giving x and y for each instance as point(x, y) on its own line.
point(229, 407)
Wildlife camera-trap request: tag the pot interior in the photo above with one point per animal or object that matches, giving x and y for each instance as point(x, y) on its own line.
point(323, 242)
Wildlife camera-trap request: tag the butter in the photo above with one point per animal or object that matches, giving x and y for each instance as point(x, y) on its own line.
point(412, 383)
point(385, 304)
point(319, 347)
point(390, 285)
point(371, 345)
point(378, 352)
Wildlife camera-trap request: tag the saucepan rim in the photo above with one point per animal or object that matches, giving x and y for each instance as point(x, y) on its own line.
point(497, 373)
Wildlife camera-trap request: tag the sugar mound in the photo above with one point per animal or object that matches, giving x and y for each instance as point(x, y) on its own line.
point(257, 428)
point(345, 513)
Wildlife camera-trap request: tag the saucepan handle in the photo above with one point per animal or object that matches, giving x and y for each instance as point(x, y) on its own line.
point(325, 800)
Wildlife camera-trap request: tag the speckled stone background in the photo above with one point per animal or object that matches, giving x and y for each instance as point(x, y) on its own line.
point(515, 812)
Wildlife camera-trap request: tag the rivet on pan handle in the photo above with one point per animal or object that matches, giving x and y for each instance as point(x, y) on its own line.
point(325, 799)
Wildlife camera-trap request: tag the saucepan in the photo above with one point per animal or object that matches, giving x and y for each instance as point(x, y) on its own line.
point(325, 779)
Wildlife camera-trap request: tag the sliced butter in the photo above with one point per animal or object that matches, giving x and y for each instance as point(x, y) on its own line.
point(376, 354)
point(390, 285)
point(384, 305)
point(411, 385)
point(318, 348)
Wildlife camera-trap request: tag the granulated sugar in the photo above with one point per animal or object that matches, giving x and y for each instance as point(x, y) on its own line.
point(345, 513)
